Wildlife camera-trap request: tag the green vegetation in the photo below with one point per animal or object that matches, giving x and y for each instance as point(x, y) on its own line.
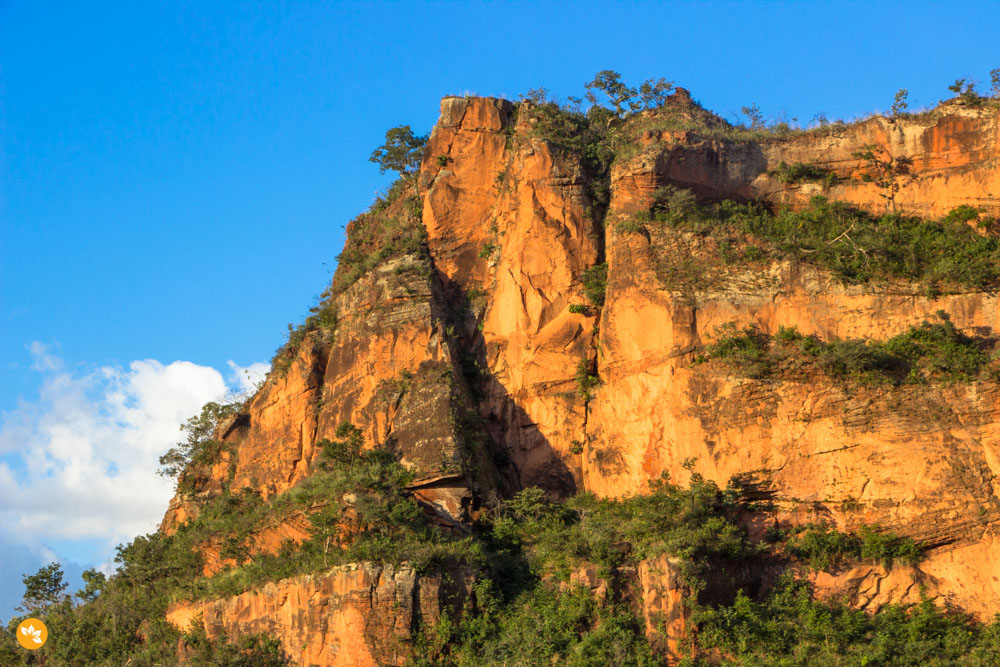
point(188, 461)
point(930, 352)
point(249, 651)
point(44, 589)
point(523, 617)
point(745, 349)
point(392, 227)
point(800, 171)
point(899, 103)
point(401, 152)
point(585, 382)
point(787, 626)
point(624, 99)
point(538, 626)
point(359, 510)
point(489, 250)
point(595, 283)
point(579, 309)
point(101, 625)
point(853, 245)
point(824, 548)
point(523, 610)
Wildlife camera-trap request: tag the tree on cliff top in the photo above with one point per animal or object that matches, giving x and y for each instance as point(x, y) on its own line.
point(402, 151)
point(624, 99)
point(609, 82)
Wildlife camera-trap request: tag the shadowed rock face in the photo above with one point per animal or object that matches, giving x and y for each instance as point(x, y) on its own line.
point(511, 226)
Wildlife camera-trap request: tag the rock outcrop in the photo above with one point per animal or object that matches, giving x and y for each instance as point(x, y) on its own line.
point(355, 615)
point(512, 222)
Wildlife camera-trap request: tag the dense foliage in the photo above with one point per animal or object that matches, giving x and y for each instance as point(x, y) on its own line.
point(789, 627)
point(526, 612)
point(523, 609)
point(822, 547)
point(931, 352)
point(855, 246)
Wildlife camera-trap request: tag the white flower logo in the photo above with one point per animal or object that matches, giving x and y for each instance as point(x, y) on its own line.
point(35, 635)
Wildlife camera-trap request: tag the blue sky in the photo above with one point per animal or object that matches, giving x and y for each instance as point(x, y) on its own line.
point(175, 178)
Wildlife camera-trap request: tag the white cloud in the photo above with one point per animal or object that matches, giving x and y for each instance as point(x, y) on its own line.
point(80, 463)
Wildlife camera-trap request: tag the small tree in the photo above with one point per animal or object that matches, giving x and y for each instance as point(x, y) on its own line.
point(43, 589)
point(200, 442)
point(622, 98)
point(995, 83)
point(899, 104)
point(966, 90)
point(94, 583)
point(654, 93)
point(401, 152)
point(755, 116)
point(882, 170)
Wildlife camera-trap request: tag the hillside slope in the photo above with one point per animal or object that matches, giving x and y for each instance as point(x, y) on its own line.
point(753, 373)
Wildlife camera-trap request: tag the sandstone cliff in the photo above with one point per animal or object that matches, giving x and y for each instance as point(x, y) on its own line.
point(464, 357)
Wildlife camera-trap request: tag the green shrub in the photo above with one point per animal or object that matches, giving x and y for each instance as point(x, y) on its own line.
point(746, 349)
point(541, 626)
point(257, 650)
point(323, 319)
point(788, 626)
point(928, 352)
point(938, 350)
point(960, 214)
point(857, 358)
point(488, 250)
point(585, 382)
point(671, 203)
point(801, 171)
point(595, 283)
point(856, 246)
point(824, 548)
point(579, 309)
point(188, 460)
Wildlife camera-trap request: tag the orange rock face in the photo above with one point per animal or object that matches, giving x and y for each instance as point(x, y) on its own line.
point(945, 159)
point(511, 225)
point(507, 218)
point(663, 610)
point(354, 615)
point(390, 369)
